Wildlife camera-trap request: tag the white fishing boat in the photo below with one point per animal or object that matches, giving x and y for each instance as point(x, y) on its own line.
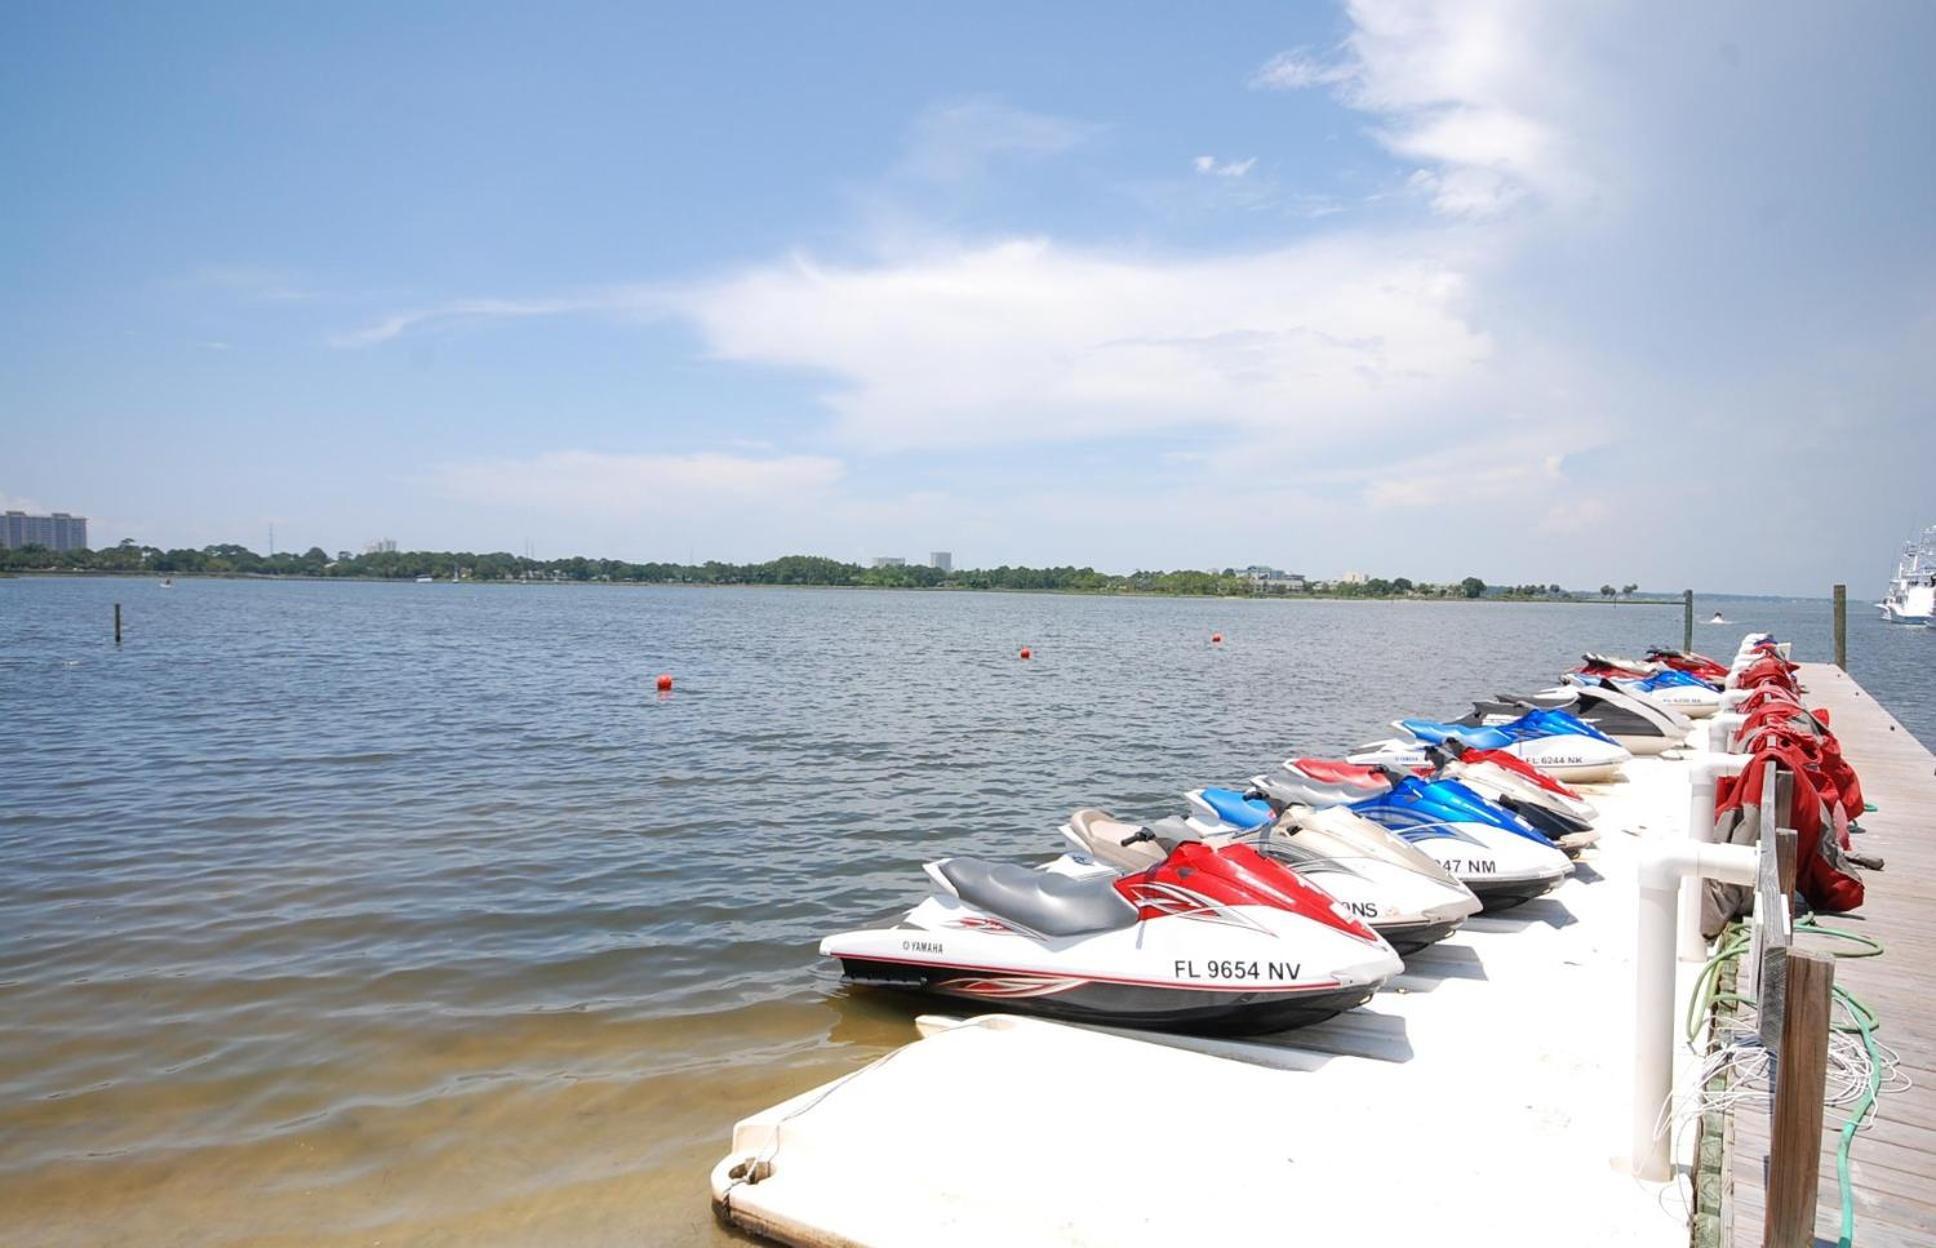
point(1912, 594)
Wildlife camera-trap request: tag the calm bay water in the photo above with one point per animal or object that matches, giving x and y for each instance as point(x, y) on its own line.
point(345, 913)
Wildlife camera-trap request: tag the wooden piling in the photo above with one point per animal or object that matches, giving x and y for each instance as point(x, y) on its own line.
point(1687, 619)
point(1842, 627)
point(117, 623)
point(1795, 1153)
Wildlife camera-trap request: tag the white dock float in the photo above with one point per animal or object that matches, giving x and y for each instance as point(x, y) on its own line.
point(1487, 1092)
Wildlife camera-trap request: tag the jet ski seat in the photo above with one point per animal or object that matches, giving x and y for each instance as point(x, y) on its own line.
point(1102, 834)
point(1052, 905)
point(1432, 732)
point(1331, 771)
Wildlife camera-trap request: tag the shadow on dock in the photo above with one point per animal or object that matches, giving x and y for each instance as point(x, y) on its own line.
point(1548, 911)
point(1426, 969)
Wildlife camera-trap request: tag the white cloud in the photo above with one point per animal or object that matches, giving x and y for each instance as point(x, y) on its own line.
point(1023, 340)
point(1474, 88)
point(591, 483)
point(1226, 169)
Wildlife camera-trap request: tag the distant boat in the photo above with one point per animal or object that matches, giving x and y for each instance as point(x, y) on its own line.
point(167, 582)
point(425, 580)
point(1717, 618)
point(1912, 593)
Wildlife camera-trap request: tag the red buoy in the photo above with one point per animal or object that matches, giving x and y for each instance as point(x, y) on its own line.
point(664, 682)
point(1027, 653)
point(1216, 639)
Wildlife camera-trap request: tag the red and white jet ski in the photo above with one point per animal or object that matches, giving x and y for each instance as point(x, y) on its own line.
point(1213, 940)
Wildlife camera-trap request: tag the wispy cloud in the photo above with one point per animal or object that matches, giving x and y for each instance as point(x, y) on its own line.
point(1300, 68)
point(957, 141)
point(1223, 169)
point(257, 282)
point(606, 485)
point(456, 312)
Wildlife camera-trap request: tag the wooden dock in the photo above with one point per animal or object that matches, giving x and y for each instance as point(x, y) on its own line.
point(1894, 1161)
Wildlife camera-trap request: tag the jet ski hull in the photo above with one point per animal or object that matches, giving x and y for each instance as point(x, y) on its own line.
point(1496, 896)
point(1239, 1009)
point(1407, 938)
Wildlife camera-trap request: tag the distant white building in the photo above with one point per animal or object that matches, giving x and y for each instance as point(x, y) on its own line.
point(942, 560)
point(1353, 578)
point(889, 561)
point(382, 546)
point(1274, 579)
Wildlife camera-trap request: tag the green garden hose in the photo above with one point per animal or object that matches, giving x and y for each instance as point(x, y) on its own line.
point(1735, 942)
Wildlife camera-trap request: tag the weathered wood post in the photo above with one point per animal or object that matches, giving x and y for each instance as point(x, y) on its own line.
point(1842, 627)
point(1687, 619)
point(1801, 1073)
point(117, 623)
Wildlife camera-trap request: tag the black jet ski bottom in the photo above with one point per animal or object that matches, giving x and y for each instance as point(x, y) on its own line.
point(1411, 937)
point(1497, 895)
point(1203, 1011)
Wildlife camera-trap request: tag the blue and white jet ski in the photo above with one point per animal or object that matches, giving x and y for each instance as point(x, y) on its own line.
point(1503, 862)
point(1551, 740)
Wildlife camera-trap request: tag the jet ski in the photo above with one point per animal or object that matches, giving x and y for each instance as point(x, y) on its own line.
point(1400, 892)
point(1551, 740)
point(1698, 665)
point(1636, 722)
point(1556, 811)
point(1685, 693)
point(1501, 860)
point(1692, 695)
point(1219, 940)
point(1490, 772)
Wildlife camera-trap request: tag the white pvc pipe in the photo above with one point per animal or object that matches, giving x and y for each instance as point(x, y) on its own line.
point(1662, 866)
point(1705, 770)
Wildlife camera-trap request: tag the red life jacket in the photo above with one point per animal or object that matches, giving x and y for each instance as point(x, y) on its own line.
point(1835, 776)
point(1825, 879)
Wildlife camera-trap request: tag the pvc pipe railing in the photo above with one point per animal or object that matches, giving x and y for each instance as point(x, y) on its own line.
point(1705, 771)
point(1662, 867)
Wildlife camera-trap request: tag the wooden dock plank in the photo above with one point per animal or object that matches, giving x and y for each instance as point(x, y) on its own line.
point(1894, 1162)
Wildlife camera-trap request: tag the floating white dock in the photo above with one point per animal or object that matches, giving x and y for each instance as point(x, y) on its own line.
point(1487, 1092)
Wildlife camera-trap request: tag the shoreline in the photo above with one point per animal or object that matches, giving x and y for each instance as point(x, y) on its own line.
point(72, 574)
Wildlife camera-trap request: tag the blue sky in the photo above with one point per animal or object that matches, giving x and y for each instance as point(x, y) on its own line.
point(1573, 293)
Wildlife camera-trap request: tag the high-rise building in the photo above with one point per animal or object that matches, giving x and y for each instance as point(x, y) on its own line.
point(59, 531)
point(382, 546)
point(889, 561)
point(944, 560)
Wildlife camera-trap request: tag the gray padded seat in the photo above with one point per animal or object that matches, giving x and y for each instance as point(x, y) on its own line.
point(1297, 793)
point(1053, 905)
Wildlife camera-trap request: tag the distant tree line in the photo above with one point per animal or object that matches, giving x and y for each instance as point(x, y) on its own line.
point(231, 560)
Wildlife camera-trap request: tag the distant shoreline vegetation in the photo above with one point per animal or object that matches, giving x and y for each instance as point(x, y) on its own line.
point(131, 559)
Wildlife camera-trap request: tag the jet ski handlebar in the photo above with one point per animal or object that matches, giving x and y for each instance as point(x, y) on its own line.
point(1256, 794)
